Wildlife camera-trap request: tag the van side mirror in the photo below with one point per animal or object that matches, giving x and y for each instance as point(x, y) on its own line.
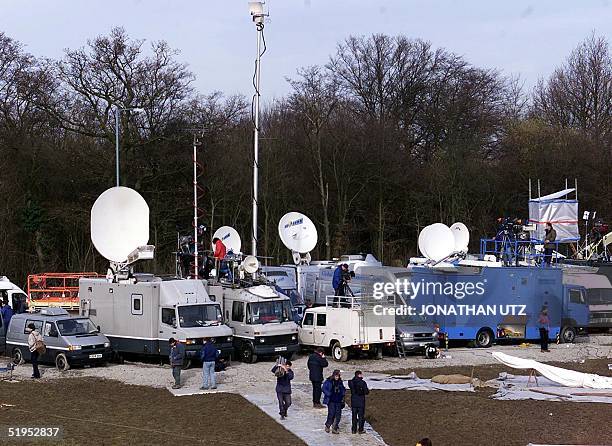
point(98, 328)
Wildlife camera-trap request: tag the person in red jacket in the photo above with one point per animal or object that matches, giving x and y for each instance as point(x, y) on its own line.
point(220, 249)
point(220, 252)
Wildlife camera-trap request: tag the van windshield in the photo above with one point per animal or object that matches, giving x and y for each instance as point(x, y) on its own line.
point(199, 315)
point(272, 311)
point(76, 327)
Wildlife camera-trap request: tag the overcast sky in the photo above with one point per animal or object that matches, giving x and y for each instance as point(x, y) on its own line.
point(217, 38)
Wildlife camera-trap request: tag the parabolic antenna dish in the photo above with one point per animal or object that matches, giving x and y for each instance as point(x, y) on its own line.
point(297, 232)
point(422, 240)
point(438, 242)
point(230, 238)
point(119, 223)
point(462, 236)
point(250, 264)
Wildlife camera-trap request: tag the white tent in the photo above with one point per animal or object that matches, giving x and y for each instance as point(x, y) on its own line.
point(558, 210)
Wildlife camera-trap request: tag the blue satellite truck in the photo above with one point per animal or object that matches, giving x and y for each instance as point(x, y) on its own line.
point(485, 304)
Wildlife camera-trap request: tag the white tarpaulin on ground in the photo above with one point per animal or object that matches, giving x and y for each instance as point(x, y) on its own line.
point(565, 377)
point(414, 383)
point(512, 387)
point(562, 213)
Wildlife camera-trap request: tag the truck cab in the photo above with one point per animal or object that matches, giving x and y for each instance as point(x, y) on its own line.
point(16, 297)
point(260, 318)
point(356, 325)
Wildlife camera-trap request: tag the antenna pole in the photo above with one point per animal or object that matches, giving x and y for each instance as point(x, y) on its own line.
point(117, 112)
point(195, 206)
point(256, 140)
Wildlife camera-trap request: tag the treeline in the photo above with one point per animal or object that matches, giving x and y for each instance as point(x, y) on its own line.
point(389, 136)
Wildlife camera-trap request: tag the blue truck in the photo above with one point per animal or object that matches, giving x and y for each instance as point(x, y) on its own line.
point(484, 304)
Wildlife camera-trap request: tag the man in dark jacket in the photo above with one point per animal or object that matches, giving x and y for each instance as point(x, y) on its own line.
point(334, 391)
point(338, 282)
point(283, 387)
point(316, 364)
point(359, 389)
point(208, 355)
point(549, 243)
point(177, 355)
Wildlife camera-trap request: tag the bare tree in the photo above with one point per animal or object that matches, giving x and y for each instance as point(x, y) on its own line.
point(314, 99)
point(579, 93)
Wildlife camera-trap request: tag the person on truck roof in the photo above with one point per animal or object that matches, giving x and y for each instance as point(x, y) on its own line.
point(220, 249)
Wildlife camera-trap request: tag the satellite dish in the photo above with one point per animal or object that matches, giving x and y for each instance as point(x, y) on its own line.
point(119, 223)
point(462, 236)
point(250, 264)
point(436, 242)
point(297, 232)
point(230, 238)
point(421, 242)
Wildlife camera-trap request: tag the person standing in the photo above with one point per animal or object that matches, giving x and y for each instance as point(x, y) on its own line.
point(359, 389)
point(284, 375)
point(34, 341)
point(334, 391)
point(549, 243)
point(338, 281)
point(544, 325)
point(316, 364)
point(7, 313)
point(208, 355)
point(177, 356)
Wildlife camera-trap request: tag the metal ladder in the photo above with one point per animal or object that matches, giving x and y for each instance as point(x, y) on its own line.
point(399, 346)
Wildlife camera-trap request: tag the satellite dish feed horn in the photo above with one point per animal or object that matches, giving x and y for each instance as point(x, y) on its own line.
point(120, 225)
point(299, 234)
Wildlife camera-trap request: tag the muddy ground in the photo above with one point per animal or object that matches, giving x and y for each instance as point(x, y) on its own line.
point(104, 412)
point(459, 418)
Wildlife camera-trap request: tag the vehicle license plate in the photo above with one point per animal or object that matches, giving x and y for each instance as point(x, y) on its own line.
point(280, 349)
point(96, 356)
point(365, 347)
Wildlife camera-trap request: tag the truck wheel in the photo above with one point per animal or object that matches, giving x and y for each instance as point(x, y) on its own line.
point(186, 364)
point(484, 338)
point(568, 335)
point(339, 353)
point(247, 354)
point(18, 356)
point(61, 362)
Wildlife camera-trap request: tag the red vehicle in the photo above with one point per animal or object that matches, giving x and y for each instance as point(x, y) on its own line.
point(55, 289)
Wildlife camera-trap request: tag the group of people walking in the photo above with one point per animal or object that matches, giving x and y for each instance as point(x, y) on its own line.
point(332, 389)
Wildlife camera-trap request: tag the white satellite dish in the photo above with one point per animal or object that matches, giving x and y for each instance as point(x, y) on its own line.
point(250, 264)
point(436, 242)
point(297, 232)
point(421, 242)
point(119, 223)
point(461, 233)
point(230, 238)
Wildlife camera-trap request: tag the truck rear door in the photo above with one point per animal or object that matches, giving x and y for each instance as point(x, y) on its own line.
point(320, 332)
point(306, 331)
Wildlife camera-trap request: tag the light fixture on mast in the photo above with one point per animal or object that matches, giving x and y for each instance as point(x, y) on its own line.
point(256, 9)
